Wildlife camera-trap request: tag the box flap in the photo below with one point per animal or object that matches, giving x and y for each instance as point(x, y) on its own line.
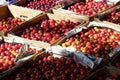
point(105, 24)
point(23, 12)
point(4, 12)
point(20, 2)
point(70, 16)
point(56, 17)
point(38, 44)
point(77, 18)
point(64, 16)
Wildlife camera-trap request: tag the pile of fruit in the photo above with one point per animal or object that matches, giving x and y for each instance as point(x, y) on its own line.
point(95, 41)
point(89, 8)
point(41, 4)
point(113, 17)
point(8, 53)
point(50, 68)
point(9, 23)
point(49, 30)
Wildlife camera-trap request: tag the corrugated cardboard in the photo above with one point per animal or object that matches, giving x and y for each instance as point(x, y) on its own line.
point(71, 15)
point(23, 12)
point(18, 30)
point(15, 11)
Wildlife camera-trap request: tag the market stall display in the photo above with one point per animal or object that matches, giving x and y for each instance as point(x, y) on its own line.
point(47, 28)
point(50, 66)
point(97, 39)
point(60, 40)
point(42, 5)
point(111, 15)
point(12, 52)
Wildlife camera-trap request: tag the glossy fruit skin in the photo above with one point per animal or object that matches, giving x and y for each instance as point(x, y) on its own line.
point(50, 68)
point(8, 54)
point(49, 30)
point(113, 17)
point(95, 41)
point(89, 8)
point(42, 5)
point(9, 23)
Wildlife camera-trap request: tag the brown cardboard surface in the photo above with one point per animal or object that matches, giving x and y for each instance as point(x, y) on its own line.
point(15, 11)
point(109, 24)
point(115, 26)
point(71, 16)
point(38, 44)
point(23, 12)
point(20, 2)
point(5, 12)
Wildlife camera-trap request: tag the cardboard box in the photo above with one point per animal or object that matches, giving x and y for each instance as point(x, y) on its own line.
point(38, 44)
point(40, 55)
point(35, 58)
point(23, 3)
point(22, 57)
point(94, 23)
point(13, 70)
point(103, 15)
point(66, 4)
point(17, 31)
point(15, 11)
point(72, 16)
